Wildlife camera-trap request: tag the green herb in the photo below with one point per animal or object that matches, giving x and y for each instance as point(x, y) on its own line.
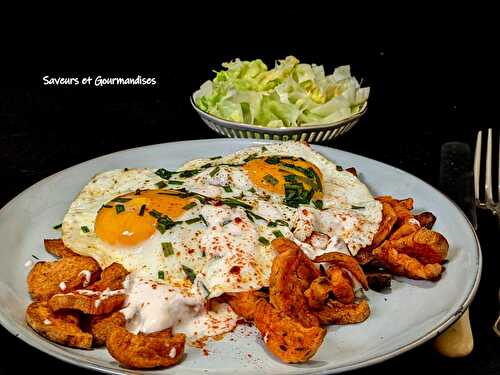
point(272, 224)
point(121, 200)
point(193, 220)
point(34, 256)
point(278, 233)
point(168, 249)
point(270, 179)
point(231, 202)
point(163, 173)
point(119, 208)
point(356, 207)
point(282, 222)
point(228, 189)
point(339, 168)
point(189, 206)
point(263, 148)
point(205, 166)
point(253, 216)
point(155, 214)
point(204, 221)
point(226, 222)
point(141, 211)
point(252, 190)
point(161, 184)
point(318, 204)
point(57, 226)
point(205, 288)
point(106, 206)
point(161, 275)
point(215, 157)
point(264, 241)
point(85, 229)
point(272, 160)
point(250, 157)
point(295, 194)
point(189, 273)
point(214, 171)
point(189, 173)
point(138, 192)
point(175, 182)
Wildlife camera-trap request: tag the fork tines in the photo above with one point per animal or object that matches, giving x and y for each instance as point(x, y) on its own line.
point(489, 202)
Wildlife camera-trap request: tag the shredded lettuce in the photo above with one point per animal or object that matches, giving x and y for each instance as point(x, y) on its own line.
point(290, 94)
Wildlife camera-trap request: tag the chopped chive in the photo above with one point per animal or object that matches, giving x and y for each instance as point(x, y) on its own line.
point(282, 222)
point(226, 222)
point(205, 288)
point(163, 173)
point(141, 211)
point(168, 249)
point(121, 200)
point(250, 157)
point(215, 157)
point(318, 204)
point(278, 233)
point(161, 184)
point(339, 168)
point(34, 256)
point(189, 206)
point(189, 173)
point(231, 202)
point(208, 165)
point(161, 227)
point(270, 179)
point(263, 148)
point(356, 207)
point(253, 216)
point(106, 206)
point(119, 208)
point(85, 229)
point(161, 275)
point(175, 182)
point(228, 189)
point(155, 214)
point(193, 220)
point(189, 273)
point(272, 224)
point(203, 219)
point(57, 226)
point(252, 190)
point(273, 160)
point(264, 241)
point(214, 171)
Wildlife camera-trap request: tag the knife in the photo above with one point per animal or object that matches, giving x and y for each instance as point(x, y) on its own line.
point(456, 181)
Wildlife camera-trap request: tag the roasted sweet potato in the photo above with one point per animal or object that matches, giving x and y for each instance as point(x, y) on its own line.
point(284, 336)
point(282, 244)
point(101, 326)
point(92, 302)
point(336, 312)
point(60, 327)
point(378, 281)
point(408, 227)
point(243, 303)
point(57, 248)
point(404, 265)
point(318, 292)
point(341, 285)
point(291, 274)
point(112, 278)
point(347, 262)
point(364, 256)
point(401, 207)
point(352, 171)
point(424, 245)
point(389, 218)
point(426, 219)
point(145, 351)
point(64, 275)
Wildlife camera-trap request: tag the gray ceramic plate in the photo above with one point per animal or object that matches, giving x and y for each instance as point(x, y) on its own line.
point(412, 313)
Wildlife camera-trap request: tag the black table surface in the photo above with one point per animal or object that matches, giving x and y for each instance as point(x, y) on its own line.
point(419, 100)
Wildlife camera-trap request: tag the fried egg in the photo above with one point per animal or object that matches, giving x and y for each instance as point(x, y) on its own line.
point(211, 222)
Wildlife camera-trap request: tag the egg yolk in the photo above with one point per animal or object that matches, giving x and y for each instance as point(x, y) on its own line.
point(127, 220)
point(272, 174)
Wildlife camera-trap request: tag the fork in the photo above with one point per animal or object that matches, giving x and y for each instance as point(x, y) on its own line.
point(488, 203)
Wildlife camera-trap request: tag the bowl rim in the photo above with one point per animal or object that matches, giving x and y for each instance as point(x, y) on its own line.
point(282, 130)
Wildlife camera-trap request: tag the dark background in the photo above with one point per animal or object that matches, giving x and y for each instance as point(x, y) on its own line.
point(428, 71)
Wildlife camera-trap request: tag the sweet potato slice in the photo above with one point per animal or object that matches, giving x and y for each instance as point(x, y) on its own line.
point(426, 219)
point(66, 274)
point(408, 227)
point(112, 278)
point(424, 245)
point(404, 265)
point(244, 303)
point(291, 274)
point(389, 218)
point(347, 262)
point(282, 244)
point(318, 292)
point(57, 248)
point(145, 351)
point(61, 328)
point(336, 312)
point(101, 326)
point(284, 336)
point(92, 303)
point(341, 285)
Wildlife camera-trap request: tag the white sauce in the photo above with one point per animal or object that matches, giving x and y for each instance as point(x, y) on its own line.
point(62, 285)
point(87, 274)
point(172, 352)
point(47, 322)
point(28, 263)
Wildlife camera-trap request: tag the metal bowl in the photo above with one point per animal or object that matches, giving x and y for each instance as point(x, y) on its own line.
point(310, 133)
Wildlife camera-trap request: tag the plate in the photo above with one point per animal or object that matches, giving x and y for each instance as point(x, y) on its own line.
point(410, 314)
